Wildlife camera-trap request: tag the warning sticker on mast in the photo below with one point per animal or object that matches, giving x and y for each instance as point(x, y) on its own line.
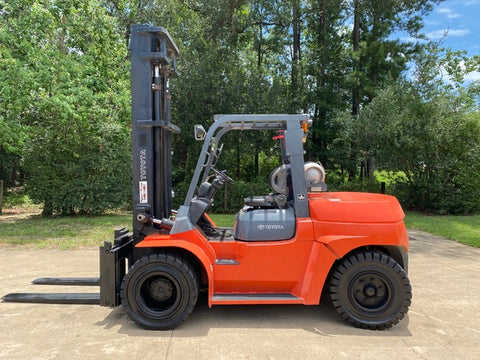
point(143, 192)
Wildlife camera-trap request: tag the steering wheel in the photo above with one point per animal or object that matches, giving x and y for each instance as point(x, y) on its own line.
point(222, 174)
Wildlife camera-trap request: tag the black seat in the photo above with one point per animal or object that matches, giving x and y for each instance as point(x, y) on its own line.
point(277, 201)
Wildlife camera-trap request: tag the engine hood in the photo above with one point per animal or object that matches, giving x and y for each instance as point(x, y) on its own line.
point(354, 207)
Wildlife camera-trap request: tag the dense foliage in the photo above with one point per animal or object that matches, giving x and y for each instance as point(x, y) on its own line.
point(434, 145)
point(65, 104)
point(64, 95)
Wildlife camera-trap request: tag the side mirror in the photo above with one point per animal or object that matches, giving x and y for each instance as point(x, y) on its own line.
point(199, 132)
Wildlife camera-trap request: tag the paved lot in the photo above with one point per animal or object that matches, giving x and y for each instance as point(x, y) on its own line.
point(443, 322)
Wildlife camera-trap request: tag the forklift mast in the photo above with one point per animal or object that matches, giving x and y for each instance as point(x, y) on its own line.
point(153, 56)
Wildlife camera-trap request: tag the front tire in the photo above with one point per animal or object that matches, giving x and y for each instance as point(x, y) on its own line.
point(159, 291)
point(370, 290)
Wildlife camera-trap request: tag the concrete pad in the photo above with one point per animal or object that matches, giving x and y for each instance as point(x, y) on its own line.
point(443, 322)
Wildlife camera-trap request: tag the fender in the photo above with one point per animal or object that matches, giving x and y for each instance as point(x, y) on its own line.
point(196, 245)
point(318, 267)
point(340, 245)
point(329, 248)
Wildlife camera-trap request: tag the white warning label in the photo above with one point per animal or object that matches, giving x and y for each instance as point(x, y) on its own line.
point(143, 192)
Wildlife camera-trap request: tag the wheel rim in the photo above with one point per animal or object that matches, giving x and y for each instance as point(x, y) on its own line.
point(159, 295)
point(370, 292)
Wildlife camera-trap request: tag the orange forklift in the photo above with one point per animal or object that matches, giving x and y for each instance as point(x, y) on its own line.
point(286, 247)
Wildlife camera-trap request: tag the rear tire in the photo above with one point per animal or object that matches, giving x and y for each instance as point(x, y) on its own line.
point(370, 290)
point(159, 291)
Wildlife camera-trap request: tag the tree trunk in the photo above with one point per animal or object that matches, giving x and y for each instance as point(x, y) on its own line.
point(237, 172)
point(1, 196)
point(296, 56)
point(369, 167)
point(356, 65)
point(320, 110)
point(259, 50)
point(47, 208)
point(356, 69)
point(14, 172)
point(362, 169)
point(2, 169)
point(323, 23)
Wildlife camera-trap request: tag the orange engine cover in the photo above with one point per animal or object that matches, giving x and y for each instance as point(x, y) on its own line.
point(350, 207)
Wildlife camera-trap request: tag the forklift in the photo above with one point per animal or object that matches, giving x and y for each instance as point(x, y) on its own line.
point(286, 247)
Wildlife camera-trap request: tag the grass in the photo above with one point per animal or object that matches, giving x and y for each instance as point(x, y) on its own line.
point(60, 232)
point(463, 229)
point(34, 231)
point(223, 220)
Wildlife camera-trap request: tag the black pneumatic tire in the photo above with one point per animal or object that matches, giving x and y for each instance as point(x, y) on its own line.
point(370, 290)
point(159, 291)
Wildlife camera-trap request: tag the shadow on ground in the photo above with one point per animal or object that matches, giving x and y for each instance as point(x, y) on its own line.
point(321, 320)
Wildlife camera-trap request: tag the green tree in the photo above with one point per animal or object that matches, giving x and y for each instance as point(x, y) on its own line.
point(327, 61)
point(64, 73)
point(74, 107)
point(435, 143)
point(378, 60)
point(17, 81)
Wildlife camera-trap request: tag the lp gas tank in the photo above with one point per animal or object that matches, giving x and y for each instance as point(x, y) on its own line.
point(264, 224)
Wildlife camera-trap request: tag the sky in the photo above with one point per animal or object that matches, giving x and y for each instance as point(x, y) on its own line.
point(456, 23)
point(460, 20)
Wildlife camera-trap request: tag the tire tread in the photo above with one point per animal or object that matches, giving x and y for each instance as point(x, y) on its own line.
point(369, 256)
point(172, 259)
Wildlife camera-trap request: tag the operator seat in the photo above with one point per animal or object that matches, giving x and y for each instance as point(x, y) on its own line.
point(199, 205)
point(201, 202)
